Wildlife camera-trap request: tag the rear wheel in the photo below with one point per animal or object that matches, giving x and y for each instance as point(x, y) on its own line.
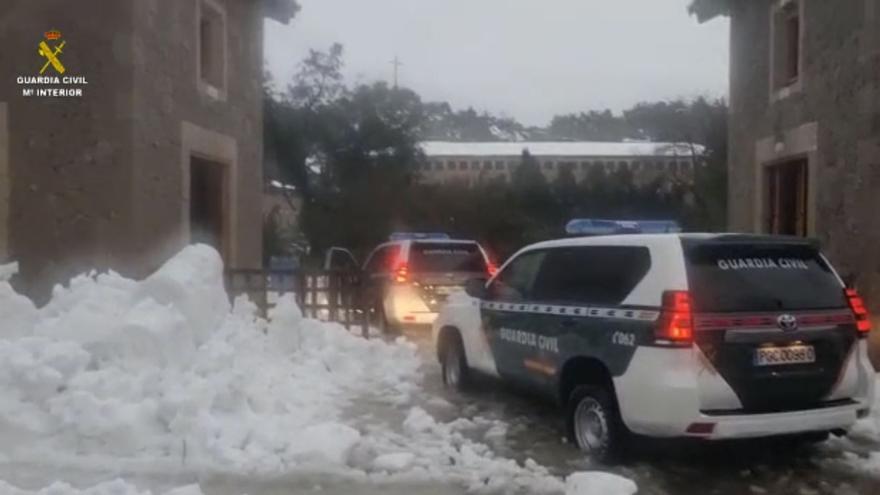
point(594, 423)
point(454, 363)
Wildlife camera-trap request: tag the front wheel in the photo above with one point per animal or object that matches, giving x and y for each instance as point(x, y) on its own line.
point(594, 423)
point(454, 364)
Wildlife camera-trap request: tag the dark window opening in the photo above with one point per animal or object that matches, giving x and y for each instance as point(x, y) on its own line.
point(786, 193)
point(787, 29)
point(211, 46)
point(206, 212)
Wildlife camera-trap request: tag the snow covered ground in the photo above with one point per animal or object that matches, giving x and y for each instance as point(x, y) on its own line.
point(164, 375)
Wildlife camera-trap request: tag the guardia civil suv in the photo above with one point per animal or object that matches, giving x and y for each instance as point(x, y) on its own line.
point(713, 336)
point(408, 279)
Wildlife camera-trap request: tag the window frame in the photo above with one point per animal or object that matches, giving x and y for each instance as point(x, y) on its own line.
point(374, 255)
point(498, 279)
point(638, 277)
point(781, 12)
point(203, 81)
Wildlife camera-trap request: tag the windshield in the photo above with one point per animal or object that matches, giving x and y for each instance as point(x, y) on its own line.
point(734, 278)
point(451, 257)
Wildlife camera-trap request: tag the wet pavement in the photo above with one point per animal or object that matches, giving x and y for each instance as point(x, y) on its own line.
point(676, 467)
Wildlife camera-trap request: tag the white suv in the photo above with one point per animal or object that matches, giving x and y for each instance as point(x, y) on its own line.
point(700, 335)
point(408, 279)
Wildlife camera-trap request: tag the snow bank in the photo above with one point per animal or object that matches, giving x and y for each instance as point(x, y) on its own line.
point(117, 487)
point(593, 482)
point(166, 372)
point(166, 369)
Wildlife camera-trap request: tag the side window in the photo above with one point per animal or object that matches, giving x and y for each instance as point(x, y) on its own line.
point(514, 283)
point(382, 259)
point(591, 274)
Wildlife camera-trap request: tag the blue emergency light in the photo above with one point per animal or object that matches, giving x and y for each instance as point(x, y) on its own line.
point(414, 236)
point(589, 226)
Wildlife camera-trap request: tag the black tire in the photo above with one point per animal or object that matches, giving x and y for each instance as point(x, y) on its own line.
point(453, 363)
point(594, 424)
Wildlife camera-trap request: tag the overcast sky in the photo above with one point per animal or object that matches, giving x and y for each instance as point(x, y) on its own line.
point(529, 59)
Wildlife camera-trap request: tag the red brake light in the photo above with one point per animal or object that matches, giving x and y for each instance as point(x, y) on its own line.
point(857, 304)
point(491, 268)
point(401, 273)
point(675, 323)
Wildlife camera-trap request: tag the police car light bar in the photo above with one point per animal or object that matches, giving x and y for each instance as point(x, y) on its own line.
point(588, 226)
point(411, 236)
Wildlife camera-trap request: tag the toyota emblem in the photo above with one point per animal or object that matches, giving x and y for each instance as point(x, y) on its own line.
point(787, 322)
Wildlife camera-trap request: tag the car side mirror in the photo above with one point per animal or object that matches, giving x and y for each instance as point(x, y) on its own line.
point(476, 287)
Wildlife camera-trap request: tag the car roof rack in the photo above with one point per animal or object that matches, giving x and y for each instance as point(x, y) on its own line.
point(591, 226)
point(412, 236)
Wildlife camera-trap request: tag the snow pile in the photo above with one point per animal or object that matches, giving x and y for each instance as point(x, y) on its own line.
point(166, 368)
point(117, 487)
point(166, 374)
point(593, 482)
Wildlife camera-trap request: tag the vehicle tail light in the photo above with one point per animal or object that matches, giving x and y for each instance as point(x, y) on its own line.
point(857, 304)
point(492, 268)
point(401, 273)
point(676, 322)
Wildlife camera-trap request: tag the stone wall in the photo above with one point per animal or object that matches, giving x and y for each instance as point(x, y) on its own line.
point(837, 108)
point(69, 159)
point(168, 98)
point(102, 181)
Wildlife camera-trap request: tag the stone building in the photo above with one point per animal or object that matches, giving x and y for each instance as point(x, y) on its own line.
point(142, 133)
point(805, 125)
point(471, 163)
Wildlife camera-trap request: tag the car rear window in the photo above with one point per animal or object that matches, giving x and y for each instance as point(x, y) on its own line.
point(446, 257)
point(736, 278)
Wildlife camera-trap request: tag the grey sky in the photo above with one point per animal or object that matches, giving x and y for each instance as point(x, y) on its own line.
point(529, 59)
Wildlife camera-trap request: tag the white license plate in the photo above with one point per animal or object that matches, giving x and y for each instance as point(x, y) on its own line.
point(794, 354)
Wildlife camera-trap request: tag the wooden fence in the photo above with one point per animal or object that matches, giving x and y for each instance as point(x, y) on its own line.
point(326, 295)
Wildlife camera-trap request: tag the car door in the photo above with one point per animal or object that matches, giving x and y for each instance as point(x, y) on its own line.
point(506, 318)
point(578, 295)
point(377, 273)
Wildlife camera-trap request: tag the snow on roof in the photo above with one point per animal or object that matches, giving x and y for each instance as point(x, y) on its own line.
point(563, 148)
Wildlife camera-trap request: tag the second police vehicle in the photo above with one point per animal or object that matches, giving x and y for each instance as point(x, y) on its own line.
point(407, 279)
point(714, 336)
